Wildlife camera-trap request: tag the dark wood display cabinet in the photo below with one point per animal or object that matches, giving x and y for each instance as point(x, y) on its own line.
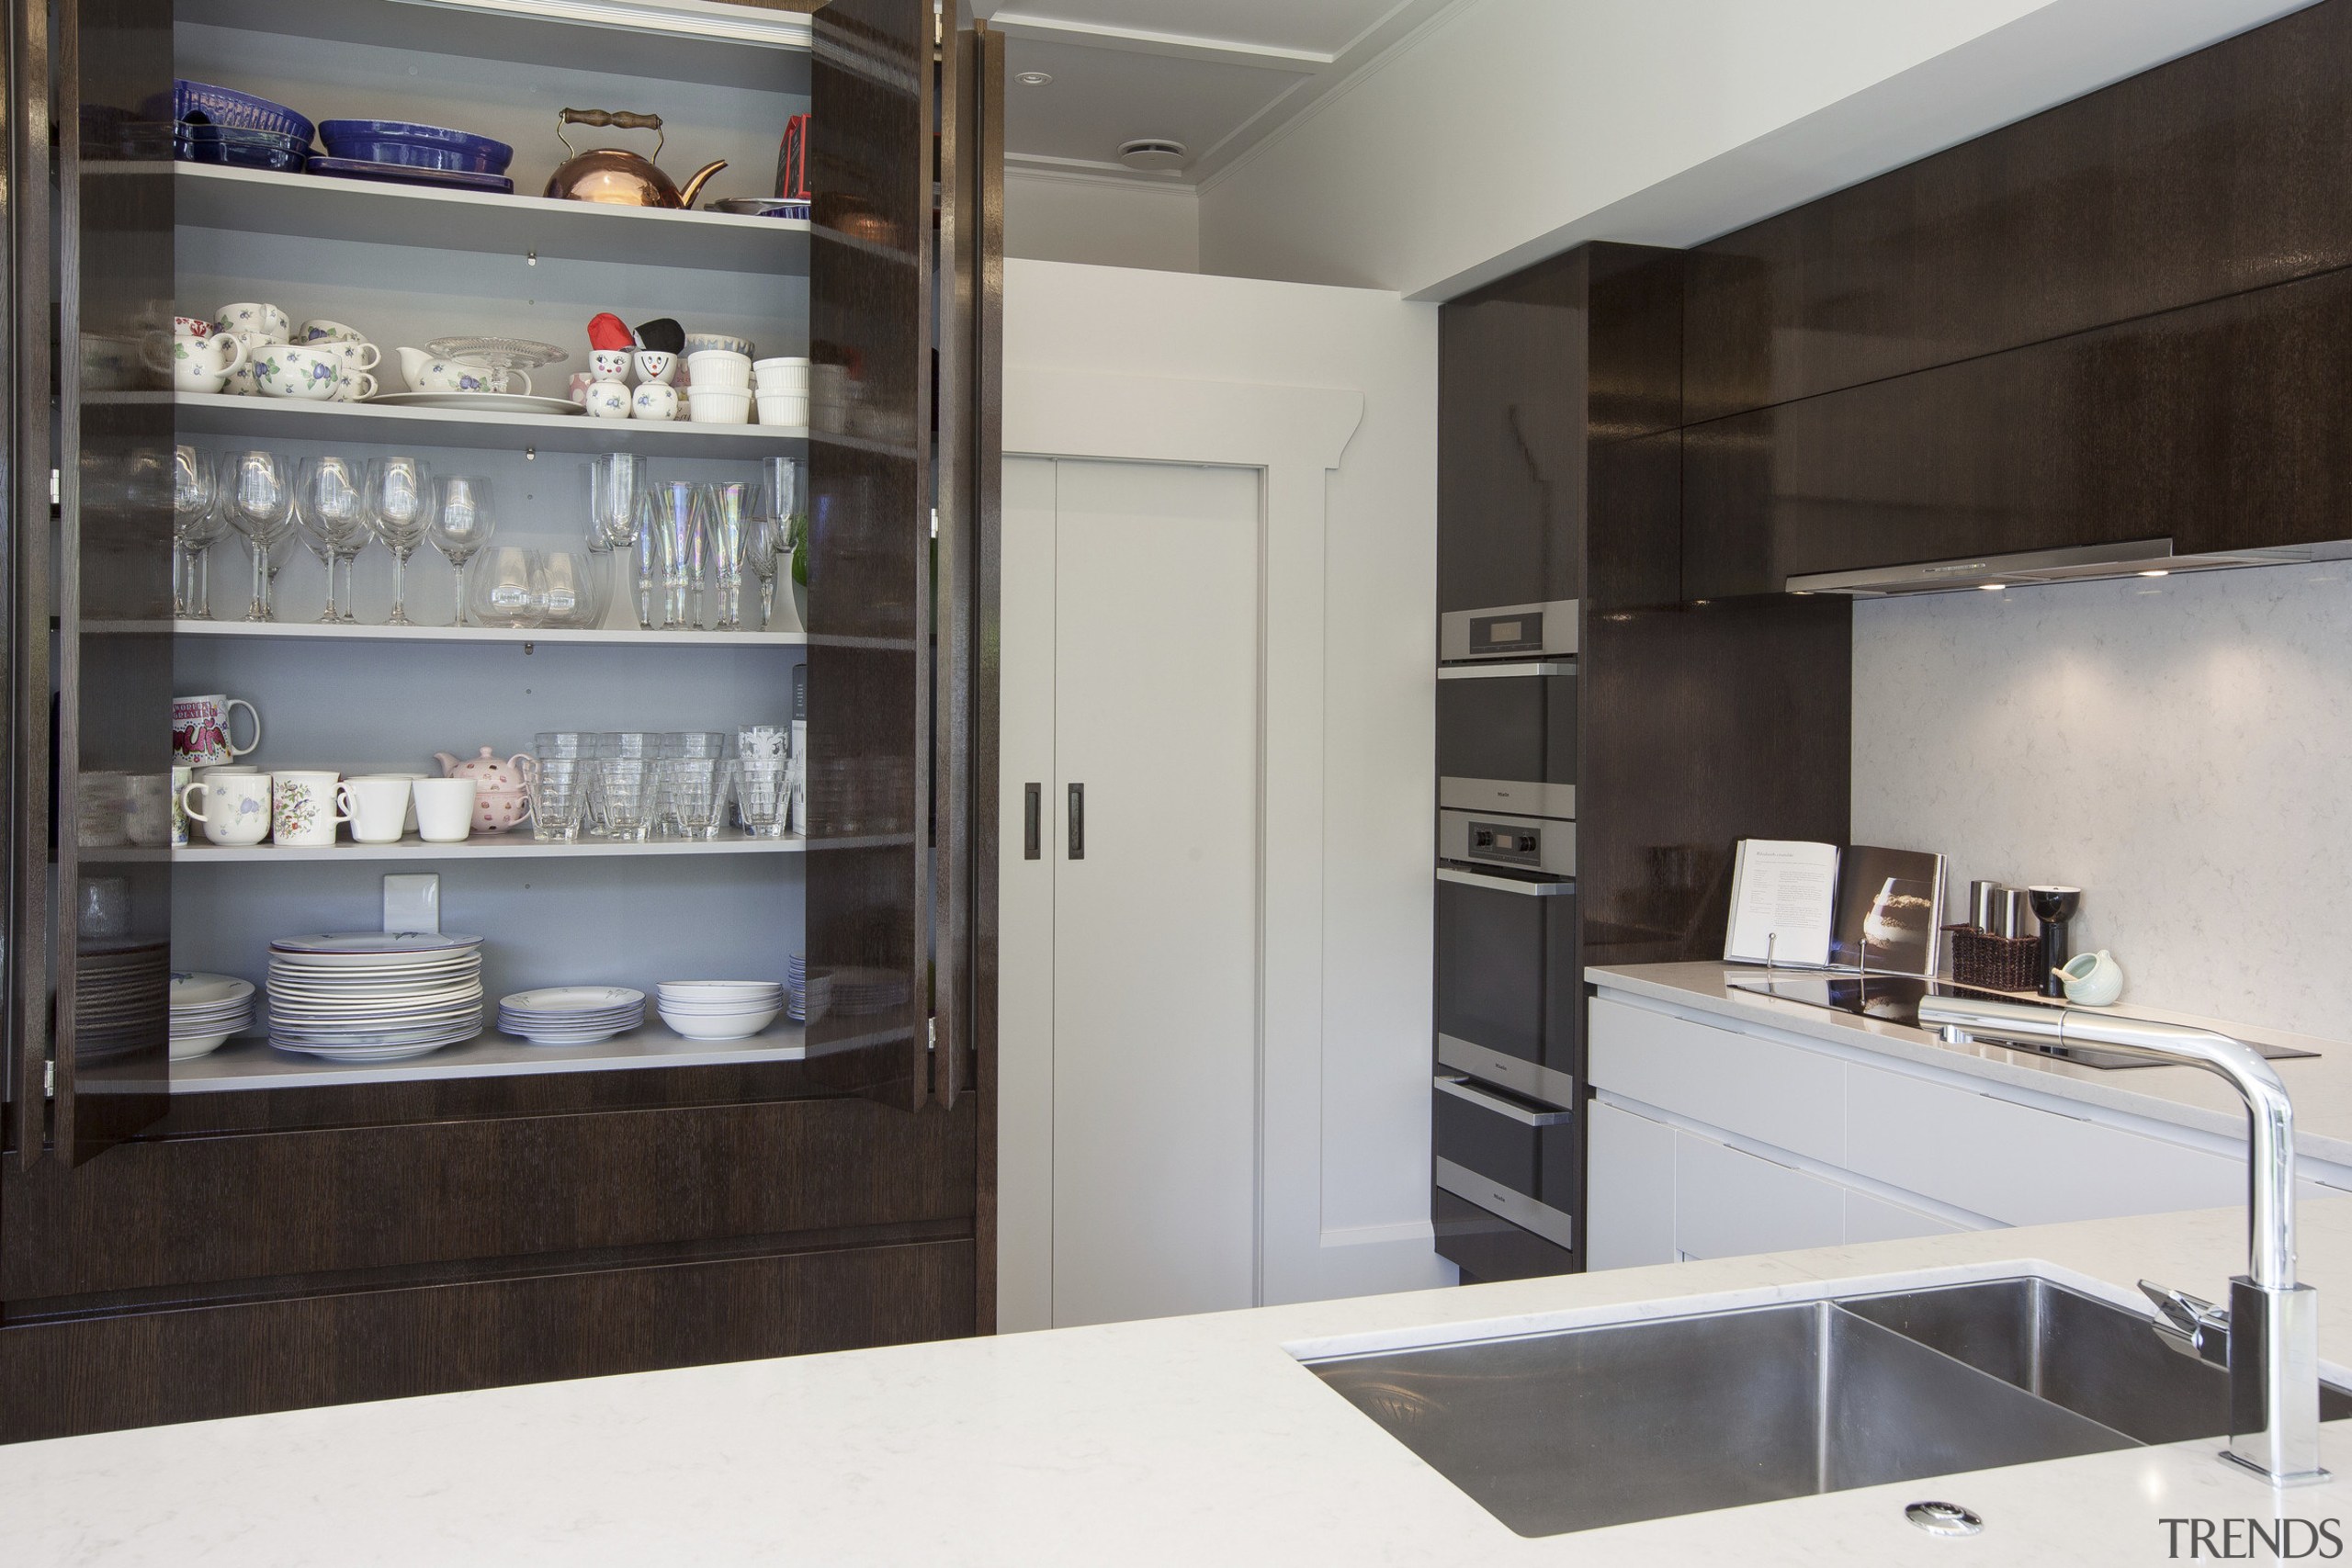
point(255, 1230)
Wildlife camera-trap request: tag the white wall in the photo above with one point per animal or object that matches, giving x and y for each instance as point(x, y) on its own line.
point(1511, 130)
point(1369, 1228)
point(2180, 749)
point(1101, 221)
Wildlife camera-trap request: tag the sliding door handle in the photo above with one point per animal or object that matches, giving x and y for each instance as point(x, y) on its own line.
point(1033, 811)
point(1077, 821)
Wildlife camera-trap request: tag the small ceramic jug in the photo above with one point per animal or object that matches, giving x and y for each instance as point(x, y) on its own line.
point(2092, 979)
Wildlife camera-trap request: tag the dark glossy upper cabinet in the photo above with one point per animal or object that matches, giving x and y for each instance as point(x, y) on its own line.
point(112, 254)
point(869, 567)
point(2120, 320)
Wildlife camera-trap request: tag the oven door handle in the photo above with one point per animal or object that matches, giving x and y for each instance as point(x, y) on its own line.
point(1507, 884)
point(1463, 1088)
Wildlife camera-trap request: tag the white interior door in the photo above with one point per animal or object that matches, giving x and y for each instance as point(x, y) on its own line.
point(1152, 904)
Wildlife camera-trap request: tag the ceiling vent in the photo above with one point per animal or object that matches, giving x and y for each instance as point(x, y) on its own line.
point(1152, 152)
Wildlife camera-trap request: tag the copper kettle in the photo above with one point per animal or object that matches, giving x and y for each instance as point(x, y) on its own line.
point(616, 176)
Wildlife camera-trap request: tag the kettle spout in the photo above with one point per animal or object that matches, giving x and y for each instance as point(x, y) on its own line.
point(696, 181)
point(448, 763)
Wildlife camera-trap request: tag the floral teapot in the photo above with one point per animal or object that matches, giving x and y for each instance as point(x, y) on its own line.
point(502, 795)
point(424, 373)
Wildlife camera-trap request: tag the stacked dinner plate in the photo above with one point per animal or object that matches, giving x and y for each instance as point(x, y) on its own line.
point(571, 1015)
point(720, 1009)
point(806, 996)
point(118, 989)
point(206, 1010)
point(374, 996)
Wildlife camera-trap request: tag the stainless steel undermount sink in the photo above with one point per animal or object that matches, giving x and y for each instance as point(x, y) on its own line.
point(1622, 1422)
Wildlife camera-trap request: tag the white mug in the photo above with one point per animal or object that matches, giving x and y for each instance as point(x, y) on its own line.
point(444, 809)
point(376, 806)
point(200, 730)
point(181, 778)
point(233, 806)
point(302, 808)
point(205, 364)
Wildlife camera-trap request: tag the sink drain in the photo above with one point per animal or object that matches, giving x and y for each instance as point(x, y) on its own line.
point(1944, 1519)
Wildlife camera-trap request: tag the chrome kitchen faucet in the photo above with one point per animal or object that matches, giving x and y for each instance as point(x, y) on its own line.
point(2273, 1321)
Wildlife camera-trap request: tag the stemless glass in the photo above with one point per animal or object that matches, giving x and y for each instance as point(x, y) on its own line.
point(397, 495)
point(626, 760)
point(333, 519)
point(559, 790)
point(260, 494)
point(508, 588)
point(727, 520)
point(614, 478)
point(459, 523)
point(567, 589)
point(695, 792)
point(763, 795)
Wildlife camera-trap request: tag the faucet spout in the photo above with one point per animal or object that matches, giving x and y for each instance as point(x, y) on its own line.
point(2274, 1321)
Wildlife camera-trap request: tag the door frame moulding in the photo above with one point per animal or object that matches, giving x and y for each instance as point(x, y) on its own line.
point(1295, 437)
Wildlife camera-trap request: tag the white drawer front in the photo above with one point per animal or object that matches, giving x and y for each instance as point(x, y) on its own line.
point(2020, 1165)
point(1727, 1204)
point(1875, 1219)
point(1776, 1094)
point(1629, 1189)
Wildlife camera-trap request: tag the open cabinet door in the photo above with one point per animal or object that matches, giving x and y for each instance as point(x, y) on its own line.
point(110, 923)
point(869, 555)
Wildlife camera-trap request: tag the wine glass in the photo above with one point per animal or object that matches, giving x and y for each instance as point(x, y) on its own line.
point(724, 525)
point(196, 521)
point(260, 487)
point(462, 520)
point(396, 493)
point(327, 506)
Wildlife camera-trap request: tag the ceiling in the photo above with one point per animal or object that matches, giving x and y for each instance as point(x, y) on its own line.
point(1217, 76)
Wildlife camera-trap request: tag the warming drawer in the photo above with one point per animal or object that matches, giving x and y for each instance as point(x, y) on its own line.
point(1509, 1003)
point(1506, 738)
point(1512, 1156)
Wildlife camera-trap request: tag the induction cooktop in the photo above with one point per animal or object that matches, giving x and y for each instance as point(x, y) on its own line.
point(1896, 1000)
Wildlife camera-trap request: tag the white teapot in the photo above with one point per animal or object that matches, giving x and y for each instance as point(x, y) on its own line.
point(426, 373)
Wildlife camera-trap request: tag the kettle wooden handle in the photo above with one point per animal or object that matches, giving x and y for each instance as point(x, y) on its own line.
point(623, 118)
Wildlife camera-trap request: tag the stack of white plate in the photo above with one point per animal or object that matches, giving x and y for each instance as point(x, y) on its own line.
point(119, 991)
point(719, 1009)
point(571, 1015)
point(206, 1010)
point(374, 996)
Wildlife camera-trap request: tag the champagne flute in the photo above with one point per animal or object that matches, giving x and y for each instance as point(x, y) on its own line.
point(724, 523)
point(396, 493)
point(328, 507)
point(759, 555)
point(261, 505)
point(462, 520)
point(677, 520)
point(646, 544)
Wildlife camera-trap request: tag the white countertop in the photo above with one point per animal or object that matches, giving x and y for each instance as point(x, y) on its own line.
point(2187, 1097)
point(1185, 1442)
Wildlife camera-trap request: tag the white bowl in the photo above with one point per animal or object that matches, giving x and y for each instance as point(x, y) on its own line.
point(717, 408)
point(718, 369)
point(187, 1048)
point(781, 376)
point(731, 1026)
point(715, 987)
point(784, 408)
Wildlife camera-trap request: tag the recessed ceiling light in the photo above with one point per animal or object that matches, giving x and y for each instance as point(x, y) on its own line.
point(1152, 152)
point(2156, 574)
point(1991, 587)
point(1033, 78)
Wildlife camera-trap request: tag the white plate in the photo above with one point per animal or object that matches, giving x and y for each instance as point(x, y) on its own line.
point(188, 1050)
point(730, 1011)
point(715, 987)
point(555, 999)
point(477, 403)
point(742, 1028)
point(596, 1039)
point(369, 1054)
point(365, 945)
point(200, 991)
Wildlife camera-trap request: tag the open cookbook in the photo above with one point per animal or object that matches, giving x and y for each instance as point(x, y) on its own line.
point(1823, 907)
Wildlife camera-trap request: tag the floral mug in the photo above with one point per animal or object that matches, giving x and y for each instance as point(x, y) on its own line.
point(303, 808)
point(285, 371)
point(205, 364)
point(233, 807)
point(269, 320)
point(354, 387)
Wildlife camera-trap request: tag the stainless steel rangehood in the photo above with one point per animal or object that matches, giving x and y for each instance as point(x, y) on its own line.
point(2143, 558)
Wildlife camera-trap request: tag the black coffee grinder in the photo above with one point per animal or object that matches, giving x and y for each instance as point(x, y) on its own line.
point(2054, 907)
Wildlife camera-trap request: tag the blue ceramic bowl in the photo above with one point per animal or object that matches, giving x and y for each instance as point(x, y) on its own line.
point(207, 104)
point(415, 146)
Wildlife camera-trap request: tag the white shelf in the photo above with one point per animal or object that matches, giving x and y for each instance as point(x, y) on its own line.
point(514, 845)
point(261, 201)
point(318, 631)
point(250, 1063)
point(218, 413)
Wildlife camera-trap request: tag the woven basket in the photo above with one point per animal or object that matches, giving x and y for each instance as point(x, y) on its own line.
point(1995, 963)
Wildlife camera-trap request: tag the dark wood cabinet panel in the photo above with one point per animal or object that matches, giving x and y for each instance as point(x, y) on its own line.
point(2225, 170)
point(141, 1369)
point(2221, 425)
point(178, 1212)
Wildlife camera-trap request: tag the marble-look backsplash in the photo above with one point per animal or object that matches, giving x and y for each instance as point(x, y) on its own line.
point(2179, 748)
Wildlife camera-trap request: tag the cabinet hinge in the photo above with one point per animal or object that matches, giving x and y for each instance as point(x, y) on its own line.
point(930, 1034)
point(934, 522)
